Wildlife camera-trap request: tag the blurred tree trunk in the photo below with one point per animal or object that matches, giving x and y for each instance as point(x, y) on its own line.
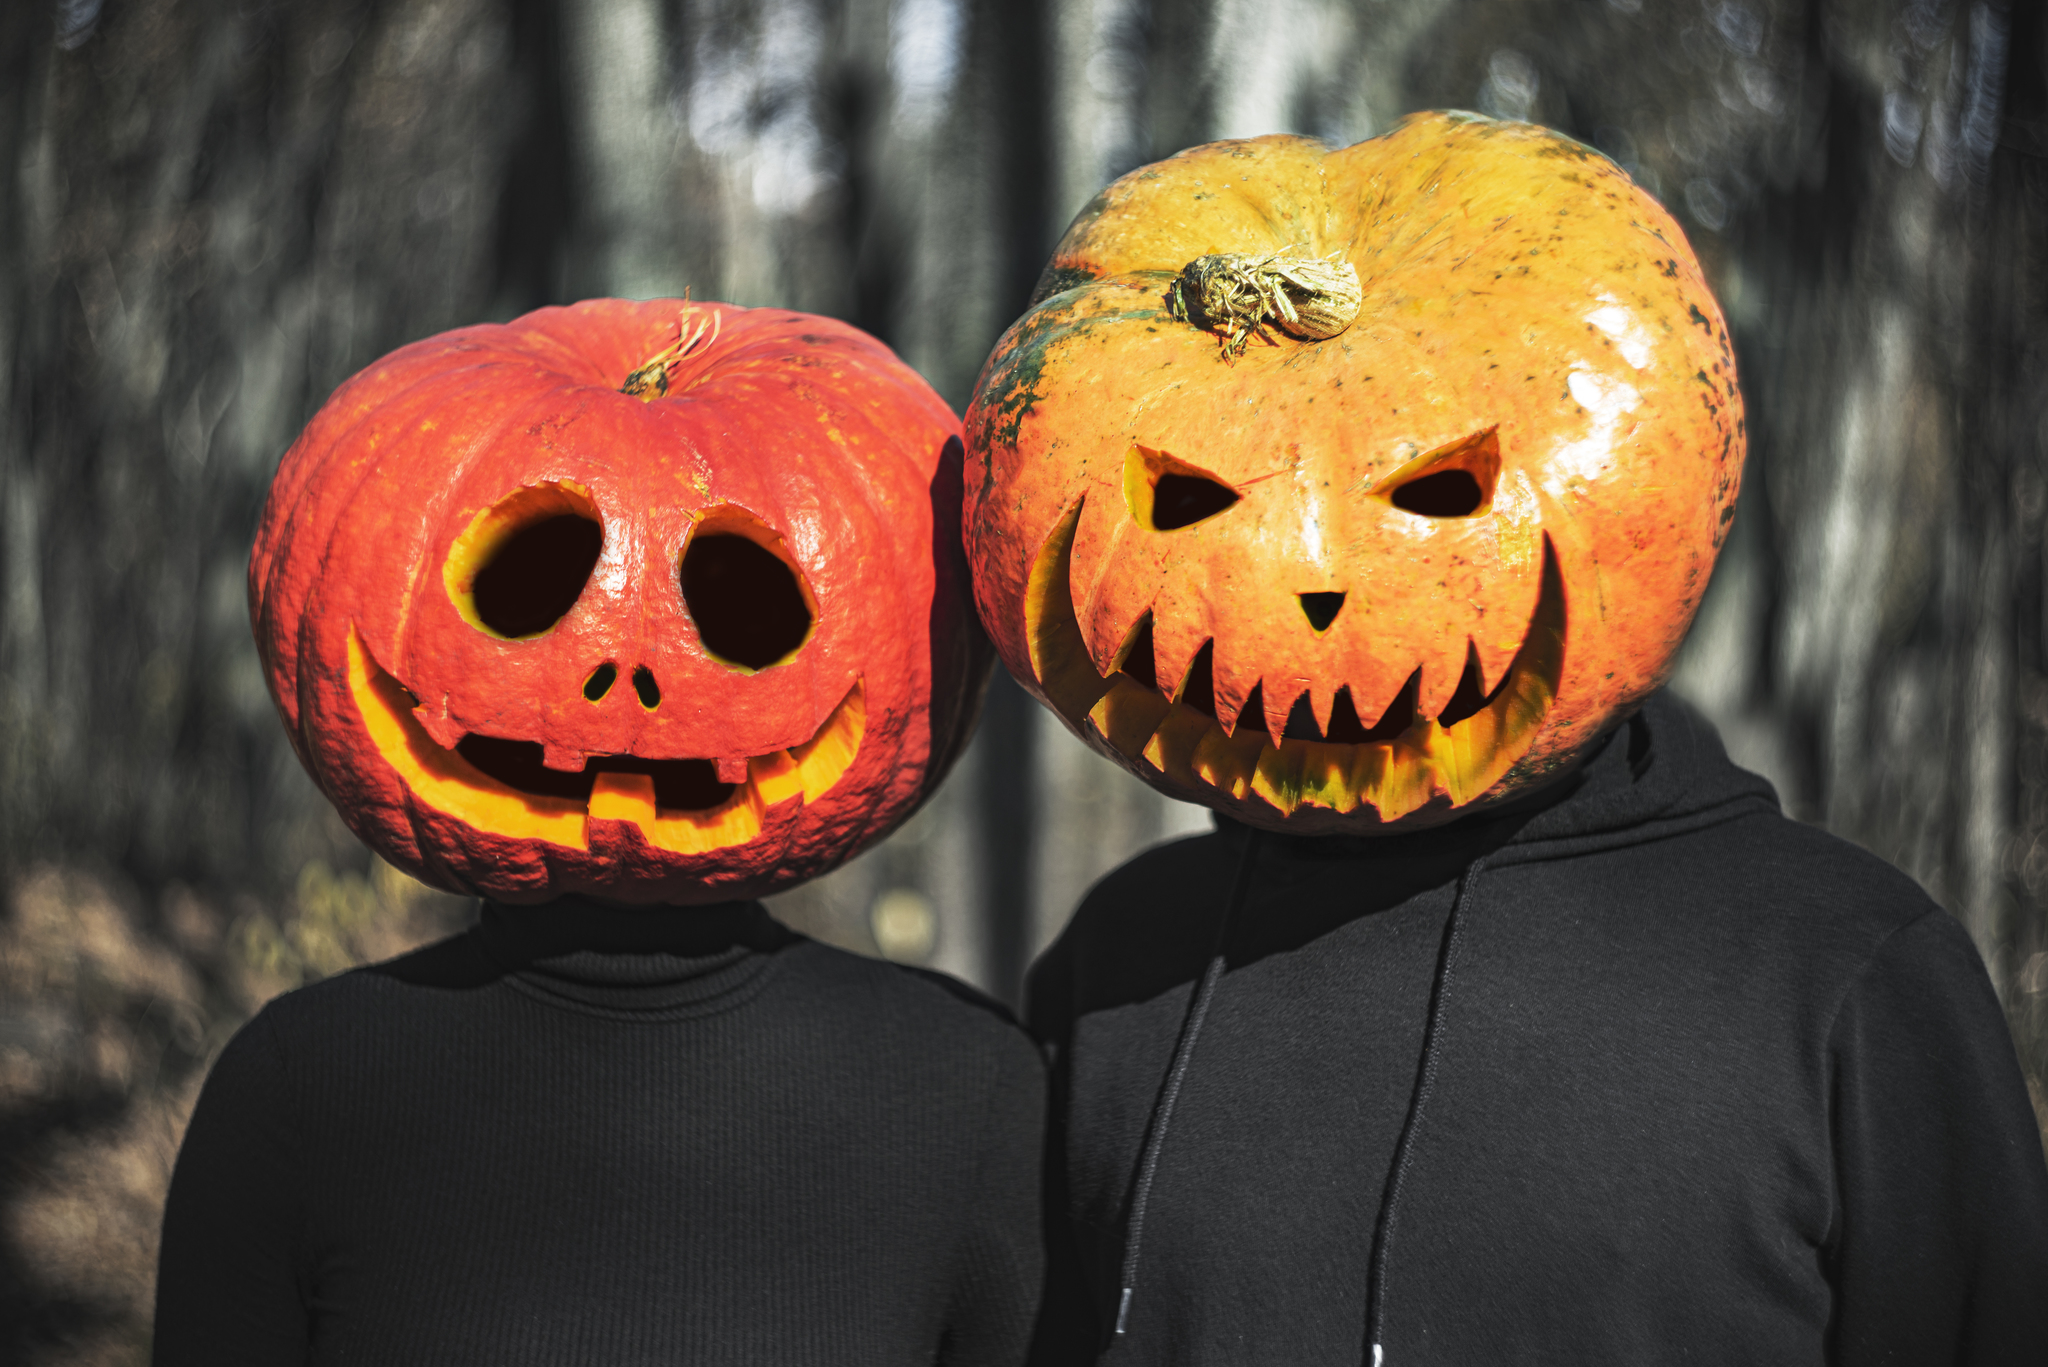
point(216, 210)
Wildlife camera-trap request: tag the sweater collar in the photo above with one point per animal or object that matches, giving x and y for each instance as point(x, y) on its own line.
point(596, 954)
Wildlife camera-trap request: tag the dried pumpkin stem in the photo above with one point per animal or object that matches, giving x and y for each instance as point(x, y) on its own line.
point(650, 381)
point(1234, 295)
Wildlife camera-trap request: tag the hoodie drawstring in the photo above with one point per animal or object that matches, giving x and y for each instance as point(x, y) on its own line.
point(1176, 1070)
point(1404, 1148)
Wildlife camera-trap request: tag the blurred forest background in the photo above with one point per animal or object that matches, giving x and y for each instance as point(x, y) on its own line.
point(213, 211)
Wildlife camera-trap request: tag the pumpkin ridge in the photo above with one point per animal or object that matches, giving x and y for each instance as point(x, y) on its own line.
point(551, 387)
point(297, 471)
point(329, 516)
point(1014, 370)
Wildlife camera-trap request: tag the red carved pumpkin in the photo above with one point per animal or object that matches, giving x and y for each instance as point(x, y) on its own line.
point(653, 601)
point(1336, 489)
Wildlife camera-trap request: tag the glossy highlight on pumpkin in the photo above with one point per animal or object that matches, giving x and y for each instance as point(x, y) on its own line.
point(1425, 559)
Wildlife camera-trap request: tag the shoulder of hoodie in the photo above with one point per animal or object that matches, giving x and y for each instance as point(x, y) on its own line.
point(1142, 918)
point(1725, 848)
point(1760, 861)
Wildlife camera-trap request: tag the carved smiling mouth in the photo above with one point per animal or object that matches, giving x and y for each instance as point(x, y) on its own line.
point(1395, 767)
point(501, 787)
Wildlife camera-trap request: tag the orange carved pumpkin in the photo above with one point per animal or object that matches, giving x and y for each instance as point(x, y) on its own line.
point(1335, 489)
point(653, 601)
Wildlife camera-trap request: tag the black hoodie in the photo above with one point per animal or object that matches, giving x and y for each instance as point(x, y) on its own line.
point(1642, 1072)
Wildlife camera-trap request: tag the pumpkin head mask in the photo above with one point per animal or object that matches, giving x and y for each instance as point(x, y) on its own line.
point(636, 600)
point(1338, 489)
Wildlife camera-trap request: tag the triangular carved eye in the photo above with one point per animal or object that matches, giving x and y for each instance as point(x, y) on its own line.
point(1447, 493)
point(1166, 494)
point(1454, 480)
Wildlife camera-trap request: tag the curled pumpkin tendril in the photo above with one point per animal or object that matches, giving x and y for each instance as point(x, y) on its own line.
point(650, 381)
point(1234, 295)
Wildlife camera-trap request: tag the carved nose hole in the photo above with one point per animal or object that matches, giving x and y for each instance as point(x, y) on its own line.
point(600, 681)
point(1321, 609)
point(746, 603)
point(647, 688)
point(537, 575)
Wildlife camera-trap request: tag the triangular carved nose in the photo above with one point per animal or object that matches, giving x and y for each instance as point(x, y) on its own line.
point(1321, 609)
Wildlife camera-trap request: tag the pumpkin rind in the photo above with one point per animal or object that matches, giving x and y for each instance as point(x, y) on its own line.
point(804, 429)
point(1517, 290)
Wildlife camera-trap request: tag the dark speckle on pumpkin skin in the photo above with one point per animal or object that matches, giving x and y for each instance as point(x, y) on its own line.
point(1058, 280)
point(1010, 385)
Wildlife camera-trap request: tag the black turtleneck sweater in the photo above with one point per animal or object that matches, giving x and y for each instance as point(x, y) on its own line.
point(581, 1135)
point(1678, 1081)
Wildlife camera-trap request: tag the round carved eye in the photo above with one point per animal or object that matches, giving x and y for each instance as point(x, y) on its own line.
point(750, 607)
point(522, 564)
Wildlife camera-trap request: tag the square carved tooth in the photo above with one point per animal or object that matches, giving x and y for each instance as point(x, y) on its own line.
point(623, 797)
point(776, 778)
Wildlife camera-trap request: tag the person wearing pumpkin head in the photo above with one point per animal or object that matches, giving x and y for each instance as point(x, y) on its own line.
point(1364, 496)
point(618, 616)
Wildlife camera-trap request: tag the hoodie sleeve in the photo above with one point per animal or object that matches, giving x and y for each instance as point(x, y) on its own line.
point(228, 1286)
point(1939, 1252)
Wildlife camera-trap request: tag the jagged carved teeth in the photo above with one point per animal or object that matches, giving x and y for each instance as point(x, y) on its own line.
point(1396, 769)
point(681, 806)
